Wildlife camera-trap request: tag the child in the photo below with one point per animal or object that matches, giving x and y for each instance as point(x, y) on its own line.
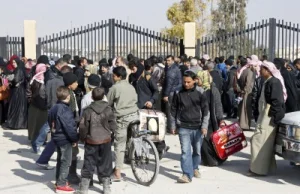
point(64, 135)
point(96, 126)
point(71, 81)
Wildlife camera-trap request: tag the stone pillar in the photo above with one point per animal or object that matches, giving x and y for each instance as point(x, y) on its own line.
point(30, 38)
point(190, 38)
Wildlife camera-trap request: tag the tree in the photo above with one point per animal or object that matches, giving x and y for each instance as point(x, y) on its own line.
point(228, 13)
point(186, 11)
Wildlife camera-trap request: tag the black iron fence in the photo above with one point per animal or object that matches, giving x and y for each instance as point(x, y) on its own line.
point(269, 37)
point(11, 46)
point(110, 38)
point(107, 39)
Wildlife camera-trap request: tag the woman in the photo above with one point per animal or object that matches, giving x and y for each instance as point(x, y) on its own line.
point(17, 111)
point(271, 111)
point(10, 67)
point(208, 154)
point(37, 113)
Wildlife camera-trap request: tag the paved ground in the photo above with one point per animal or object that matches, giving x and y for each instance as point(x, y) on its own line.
point(19, 174)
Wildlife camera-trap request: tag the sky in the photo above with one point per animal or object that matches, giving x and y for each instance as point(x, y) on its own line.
point(53, 16)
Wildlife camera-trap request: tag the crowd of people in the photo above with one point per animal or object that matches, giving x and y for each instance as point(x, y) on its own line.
point(102, 98)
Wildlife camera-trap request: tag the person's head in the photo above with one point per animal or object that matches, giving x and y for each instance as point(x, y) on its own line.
point(290, 67)
point(67, 58)
point(279, 63)
point(119, 73)
point(243, 61)
point(264, 58)
point(83, 62)
point(296, 63)
point(94, 81)
point(15, 63)
point(130, 57)
point(239, 59)
point(222, 58)
point(217, 60)
point(265, 72)
point(210, 66)
point(98, 93)
point(189, 80)
point(228, 63)
point(60, 63)
point(70, 81)
point(63, 94)
point(194, 62)
point(104, 68)
point(43, 59)
point(66, 69)
point(133, 66)
point(120, 61)
point(204, 79)
point(187, 63)
point(170, 60)
point(110, 62)
point(160, 60)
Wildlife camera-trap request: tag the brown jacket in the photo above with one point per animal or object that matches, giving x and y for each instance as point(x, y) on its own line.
point(97, 123)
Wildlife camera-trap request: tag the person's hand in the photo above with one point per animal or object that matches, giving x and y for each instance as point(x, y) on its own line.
point(204, 132)
point(148, 104)
point(222, 123)
point(74, 145)
point(173, 131)
point(166, 99)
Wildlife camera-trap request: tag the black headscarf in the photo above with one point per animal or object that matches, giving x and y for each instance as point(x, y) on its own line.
point(135, 76)
point(43, 59)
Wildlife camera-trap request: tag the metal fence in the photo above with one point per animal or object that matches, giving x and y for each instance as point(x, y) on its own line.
point(11, 46)
point(107, 39)
point(269, 37)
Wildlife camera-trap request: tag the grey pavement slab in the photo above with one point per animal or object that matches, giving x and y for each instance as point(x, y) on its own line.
point(19, 174)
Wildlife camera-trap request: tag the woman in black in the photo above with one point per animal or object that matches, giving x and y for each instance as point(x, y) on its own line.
point(17, 111)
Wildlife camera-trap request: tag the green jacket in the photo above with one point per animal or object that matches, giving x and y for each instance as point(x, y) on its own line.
point(122, 96)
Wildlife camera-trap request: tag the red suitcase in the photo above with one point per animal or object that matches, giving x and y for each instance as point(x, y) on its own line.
point(229, 140)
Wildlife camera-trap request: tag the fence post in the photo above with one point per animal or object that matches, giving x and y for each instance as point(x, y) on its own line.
point(181, 47)
point(272, 38)
point(23, 46)
point(111, 38)
point(39, 48)
point(3, 47)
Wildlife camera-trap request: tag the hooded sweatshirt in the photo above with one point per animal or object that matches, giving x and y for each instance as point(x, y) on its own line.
point(97, 123)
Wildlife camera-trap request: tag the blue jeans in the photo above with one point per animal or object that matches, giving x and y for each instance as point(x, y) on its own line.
point(47, 153)
point(190, 161)
point(39, 141)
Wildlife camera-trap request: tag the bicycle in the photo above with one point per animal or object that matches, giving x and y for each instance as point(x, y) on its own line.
point(139, 151)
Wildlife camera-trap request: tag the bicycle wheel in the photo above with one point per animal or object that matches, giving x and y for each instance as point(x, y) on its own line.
point(145, 164)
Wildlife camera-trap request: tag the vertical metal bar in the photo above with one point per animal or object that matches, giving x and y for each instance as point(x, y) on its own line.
point(286, 39)
point(98, 46)
point(141, 45)
point(255, 34)
point(282, 38)
point(160, 43)
point(147, 45)
point(57, 41)
point(127, 32)
point(290, 39)
point(164, 38)
point(297, 39)
point(81, 41)
point(293, 42)
point(130, 40)
point(278, 40)
point(88, 41)
point(137, 42)
point(95, 42)
point(67, 37)
point(85, 42)
point(102, 40)
point(144, 43)
point(78, 41)
point(117, 39)
point(150, 34)
point(133, 40)
point(266, 34)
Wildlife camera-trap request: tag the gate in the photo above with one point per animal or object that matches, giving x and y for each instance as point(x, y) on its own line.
point(271, 37)
point(12, 46)
point(108, 39)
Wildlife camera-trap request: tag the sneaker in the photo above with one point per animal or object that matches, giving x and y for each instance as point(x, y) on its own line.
point(64, 189)
point(184, 179)
point(197, 174)
point(46, 166)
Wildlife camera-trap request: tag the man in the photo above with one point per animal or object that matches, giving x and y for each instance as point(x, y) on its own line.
point(222, 67)
point(186, 66)
point(191, 114)
point(229, 92)
point(79, 72)
point(68, 58)
point(122, 96)
point(217, 79)
point(172, 83)
point(56, 80)
point(120, 61)
point(195, 67)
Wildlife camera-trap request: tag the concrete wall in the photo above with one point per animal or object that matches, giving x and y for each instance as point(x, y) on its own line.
point(30, 38)
point(190, 38)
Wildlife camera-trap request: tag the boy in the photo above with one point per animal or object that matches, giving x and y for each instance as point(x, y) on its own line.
point(64, 135)
point(124, 99)
point(71, 81)
point(96, 126)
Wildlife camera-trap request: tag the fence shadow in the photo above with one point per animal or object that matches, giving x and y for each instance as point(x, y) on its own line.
point(21, 139)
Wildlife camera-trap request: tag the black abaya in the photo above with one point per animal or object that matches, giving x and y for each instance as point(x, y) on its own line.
point(17, 112)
